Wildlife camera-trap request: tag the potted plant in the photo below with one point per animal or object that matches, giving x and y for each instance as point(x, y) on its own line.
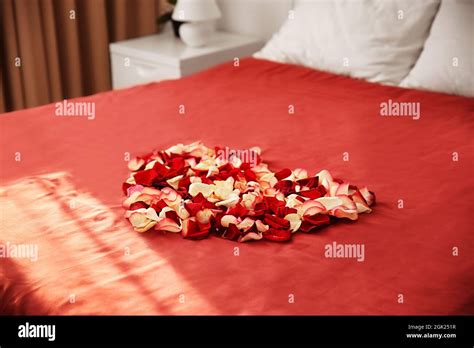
point(165, 17)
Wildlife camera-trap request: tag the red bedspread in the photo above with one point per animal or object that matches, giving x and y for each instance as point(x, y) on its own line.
point(61, 191)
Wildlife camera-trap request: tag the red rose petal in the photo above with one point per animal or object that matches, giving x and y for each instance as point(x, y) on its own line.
point(125, 187)
point(232, 232)
point(177, 163)
point(276, 222)
point(158, 206)
point(145, 177)
point(277, 235)
point(275, 205)
point(138, 205)
point(191, 230)
point(309, 182)
point(193, 208)
point(316, 220)
point(285, 186)
point(173, 216)
point(238, 211)
point(250, 175)
point(312, 194)
point(184, 182)
point(283, 174)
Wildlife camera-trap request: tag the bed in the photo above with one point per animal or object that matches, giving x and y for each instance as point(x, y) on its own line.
point(61, 190)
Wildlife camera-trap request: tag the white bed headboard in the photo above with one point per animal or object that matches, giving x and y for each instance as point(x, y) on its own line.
point(260, 18)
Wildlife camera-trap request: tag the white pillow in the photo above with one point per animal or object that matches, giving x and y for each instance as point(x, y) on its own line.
point(447, 61)
point(371, 39)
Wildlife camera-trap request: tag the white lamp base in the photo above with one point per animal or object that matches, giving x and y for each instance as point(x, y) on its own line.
point(196, 34)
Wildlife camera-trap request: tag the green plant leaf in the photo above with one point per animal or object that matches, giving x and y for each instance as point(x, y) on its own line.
point(164, 18)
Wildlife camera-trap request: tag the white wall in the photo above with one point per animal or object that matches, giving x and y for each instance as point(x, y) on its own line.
point(260, 18)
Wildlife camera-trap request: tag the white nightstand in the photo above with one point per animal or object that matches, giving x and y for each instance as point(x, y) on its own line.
point(163, 56)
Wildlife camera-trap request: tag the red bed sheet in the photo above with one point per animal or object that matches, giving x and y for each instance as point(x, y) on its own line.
point(61, 191)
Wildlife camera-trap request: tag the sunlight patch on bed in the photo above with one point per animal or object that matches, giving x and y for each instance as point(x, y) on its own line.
point(89, 260)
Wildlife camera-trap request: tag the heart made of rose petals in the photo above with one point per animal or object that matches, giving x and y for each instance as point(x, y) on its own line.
point(198, 191)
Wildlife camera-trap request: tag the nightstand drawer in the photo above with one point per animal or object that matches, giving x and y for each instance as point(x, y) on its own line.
point(129, 71)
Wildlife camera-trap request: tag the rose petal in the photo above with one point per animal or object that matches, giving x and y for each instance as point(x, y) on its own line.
point(134, 188)
point(277, 235)
point(312, 194)
point(228, 219)
point(167, 225)
point(250, 236)
point(329, 203)
point(246, 224)
point(230, 202)
point(276, 222)
point(311, 207)
point(261, 227)
point(204, 189)
point(191, 229)
point(174, 182)
point(135, 164)
point(299, 174)
point(283, 174)
point(369, 196)
point(232, 233)
point(316, 220)
point(295, 221)
point(142, 219)
point(204, 216)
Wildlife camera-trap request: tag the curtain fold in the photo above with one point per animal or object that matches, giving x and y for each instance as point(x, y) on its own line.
point(55, 49)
